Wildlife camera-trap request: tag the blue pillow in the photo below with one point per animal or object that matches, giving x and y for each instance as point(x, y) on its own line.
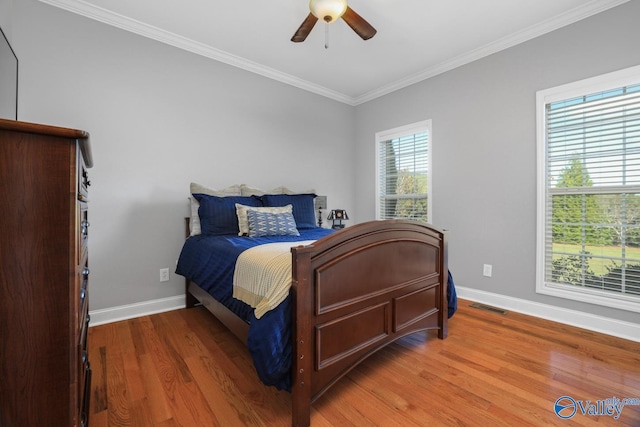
point(263, 223)
point(218, 214)
point(303, 209)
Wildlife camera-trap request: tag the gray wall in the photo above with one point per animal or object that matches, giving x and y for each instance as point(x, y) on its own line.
point(484, 154)
point(7, 66)
point(160, 118)
point(5, 17)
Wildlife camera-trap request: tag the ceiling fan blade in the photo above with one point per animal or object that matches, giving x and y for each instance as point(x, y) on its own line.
point(358, 24)
point(304, 29)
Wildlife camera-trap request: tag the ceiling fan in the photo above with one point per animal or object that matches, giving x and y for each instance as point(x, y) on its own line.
point(330, 11)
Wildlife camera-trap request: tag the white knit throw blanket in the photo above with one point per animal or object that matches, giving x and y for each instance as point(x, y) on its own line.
point(262, 277)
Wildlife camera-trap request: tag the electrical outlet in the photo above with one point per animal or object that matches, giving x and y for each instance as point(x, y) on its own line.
point(164, 274)
point(487, 269)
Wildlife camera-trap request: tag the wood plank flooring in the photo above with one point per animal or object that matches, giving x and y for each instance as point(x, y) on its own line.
point(183, 368)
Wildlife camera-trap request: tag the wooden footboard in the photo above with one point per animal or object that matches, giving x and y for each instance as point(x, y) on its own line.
point(355, 292)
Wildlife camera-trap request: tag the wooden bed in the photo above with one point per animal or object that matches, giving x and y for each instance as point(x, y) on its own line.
point(354, 292)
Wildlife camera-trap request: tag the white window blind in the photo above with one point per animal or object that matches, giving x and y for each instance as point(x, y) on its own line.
point(403, 172)
point(589, 233)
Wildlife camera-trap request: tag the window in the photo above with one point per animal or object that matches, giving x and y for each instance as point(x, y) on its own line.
point(404, 172)
point(589, 190)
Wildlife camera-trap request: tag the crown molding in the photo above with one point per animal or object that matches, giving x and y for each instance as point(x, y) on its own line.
point(592, 8)
point(105, 16)
point(90, 11)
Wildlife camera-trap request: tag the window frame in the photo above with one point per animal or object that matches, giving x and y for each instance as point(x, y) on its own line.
point(602, 83)
point(398, 132)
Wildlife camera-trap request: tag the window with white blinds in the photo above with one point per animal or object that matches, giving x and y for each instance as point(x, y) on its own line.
point(403, 172)
point(589, 190)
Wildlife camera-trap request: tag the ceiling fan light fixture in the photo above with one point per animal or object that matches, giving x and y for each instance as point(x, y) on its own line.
point(328, 10)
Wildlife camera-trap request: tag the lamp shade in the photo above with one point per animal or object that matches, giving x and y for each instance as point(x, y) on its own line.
point(328, 10)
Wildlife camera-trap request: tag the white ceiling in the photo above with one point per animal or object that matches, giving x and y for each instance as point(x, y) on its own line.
point(416, 39)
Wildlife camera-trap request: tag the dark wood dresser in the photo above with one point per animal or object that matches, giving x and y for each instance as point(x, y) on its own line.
point(45, 378)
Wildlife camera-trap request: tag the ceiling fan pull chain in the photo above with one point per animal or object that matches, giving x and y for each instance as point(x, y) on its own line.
point(326, 35)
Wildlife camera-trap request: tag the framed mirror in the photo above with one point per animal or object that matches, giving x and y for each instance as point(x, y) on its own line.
point(8, 80)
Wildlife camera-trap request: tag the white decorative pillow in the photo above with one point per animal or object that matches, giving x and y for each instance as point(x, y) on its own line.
point(250, 191)
point(285, 190)
point(245, 190)
point(263, 223)
point(195, 188)
point(243, 219)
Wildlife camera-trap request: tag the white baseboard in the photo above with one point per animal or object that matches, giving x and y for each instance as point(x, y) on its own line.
point(130, 311)
point(617, 328)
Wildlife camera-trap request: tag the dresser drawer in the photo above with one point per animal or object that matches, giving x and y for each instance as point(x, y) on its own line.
point(84, 367)
point(83, 231)
point(83, 181)
point(82, 292)
point(86, 399)
point(84, 318)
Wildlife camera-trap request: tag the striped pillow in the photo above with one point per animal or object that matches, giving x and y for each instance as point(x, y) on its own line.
point(243, 220)
point(271, 224)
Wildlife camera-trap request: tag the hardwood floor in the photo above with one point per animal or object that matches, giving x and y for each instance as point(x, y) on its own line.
point(183, 368)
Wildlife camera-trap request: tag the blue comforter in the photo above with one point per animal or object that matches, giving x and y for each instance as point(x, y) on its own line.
point(209, 261)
